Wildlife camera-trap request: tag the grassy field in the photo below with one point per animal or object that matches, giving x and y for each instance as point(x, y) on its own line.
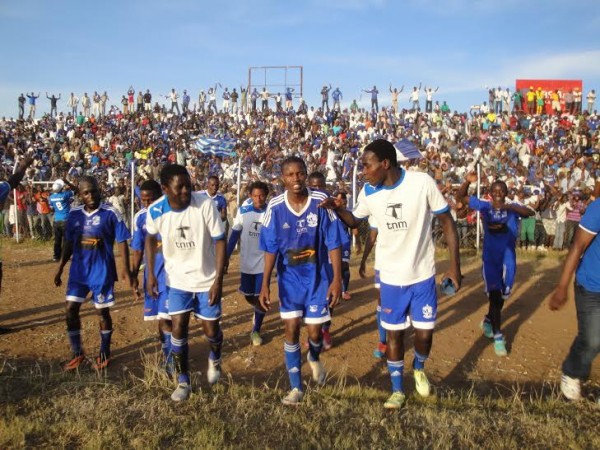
point(40, 407)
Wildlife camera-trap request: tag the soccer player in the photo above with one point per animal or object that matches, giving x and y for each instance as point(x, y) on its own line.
point(403, 204)
point(246, 227)
point(500, 223)
point(193, 247)
point(212, 192)
point(90, 234)
point(379, 352)
point(5, 188)
point(154, 308)
point(316, 181)
point(300, 237)
point(582, 260)
point(60, 201)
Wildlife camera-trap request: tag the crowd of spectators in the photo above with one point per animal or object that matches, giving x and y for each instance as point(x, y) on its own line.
point(548, 160)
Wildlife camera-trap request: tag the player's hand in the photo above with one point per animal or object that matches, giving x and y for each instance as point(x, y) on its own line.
point(135, 287)
point(334, 292)
point(264, 298)
point(558, 299)
point(57, 277)
point(152, 286)
point(331, 203)
point(456, 278)
point(215, 292)
point(362, 270)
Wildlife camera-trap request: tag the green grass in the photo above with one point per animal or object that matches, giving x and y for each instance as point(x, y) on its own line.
point(40, 407)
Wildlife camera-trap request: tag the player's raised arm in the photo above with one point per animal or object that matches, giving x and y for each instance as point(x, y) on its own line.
point(336, 205)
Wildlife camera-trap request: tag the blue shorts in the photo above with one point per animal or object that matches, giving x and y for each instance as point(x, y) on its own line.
point(155, 309)
point(102, 296)
point(250, 284)
point(401, 305)
point(314, 312)
point(499, 275)
point(180, 302)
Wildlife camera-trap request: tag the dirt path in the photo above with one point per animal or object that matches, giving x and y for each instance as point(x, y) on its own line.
point(537, 338)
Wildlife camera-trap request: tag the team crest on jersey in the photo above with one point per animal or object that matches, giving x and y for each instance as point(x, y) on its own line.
point(427, 312)
point(312, 220)
point(95, 221)
point(394, 210)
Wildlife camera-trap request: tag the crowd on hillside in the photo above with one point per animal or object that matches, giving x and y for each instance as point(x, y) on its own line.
point(549, 161)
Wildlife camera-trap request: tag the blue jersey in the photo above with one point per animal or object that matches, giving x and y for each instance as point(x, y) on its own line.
point(500, 228)
point(587, 272)
point(218, 200)
point(60, 202)
point(4, 190)
point(137, 243)
point(301, 242)
point(93, 236)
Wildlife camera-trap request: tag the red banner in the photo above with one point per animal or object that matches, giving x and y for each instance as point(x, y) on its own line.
point(547, 87)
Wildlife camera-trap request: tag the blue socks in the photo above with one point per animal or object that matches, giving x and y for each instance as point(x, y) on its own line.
point(75, 341)
point(258, 320)
point(215, 346)
point(293, 362)
point(396, 368)
point(105, 336)
point(314, 349)
point(419, 361)
point(179, 350)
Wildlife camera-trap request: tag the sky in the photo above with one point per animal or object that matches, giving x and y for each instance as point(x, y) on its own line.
point(460, 46)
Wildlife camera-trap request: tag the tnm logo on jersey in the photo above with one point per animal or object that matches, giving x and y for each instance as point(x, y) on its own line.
point(254, 229)
point(181, 238)
point(394, 210)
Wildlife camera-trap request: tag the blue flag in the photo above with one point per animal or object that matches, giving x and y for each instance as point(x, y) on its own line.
point(215, 146)
point(406, 150)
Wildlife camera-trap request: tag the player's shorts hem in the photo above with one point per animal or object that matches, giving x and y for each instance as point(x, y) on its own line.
point(317, 320)
point(346, 260)
point(377, 285)
point(396, 326)
point(150, 318)
point(104, 305)
point(74, 298)
point(423, 325)
point(200, 316)
point(183, 311)
point(291, 314)
point(164, 316)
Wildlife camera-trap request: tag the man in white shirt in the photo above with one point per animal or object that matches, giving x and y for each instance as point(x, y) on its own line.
point(403, 205)
point(193, 247)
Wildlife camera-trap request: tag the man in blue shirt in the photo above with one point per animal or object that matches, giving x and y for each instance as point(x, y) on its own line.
point(583, 260)
point(90, 234)
point(5, 188)
point(302, 239)
point(60, 202)
point(154, 308)
point(374, 102)
point(500, 223)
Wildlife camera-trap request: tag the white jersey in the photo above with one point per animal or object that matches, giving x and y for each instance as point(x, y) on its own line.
point(188, 237)
point(248, 222)
point(403, 214)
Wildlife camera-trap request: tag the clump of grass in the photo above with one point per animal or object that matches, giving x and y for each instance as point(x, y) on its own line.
point(42, 407)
